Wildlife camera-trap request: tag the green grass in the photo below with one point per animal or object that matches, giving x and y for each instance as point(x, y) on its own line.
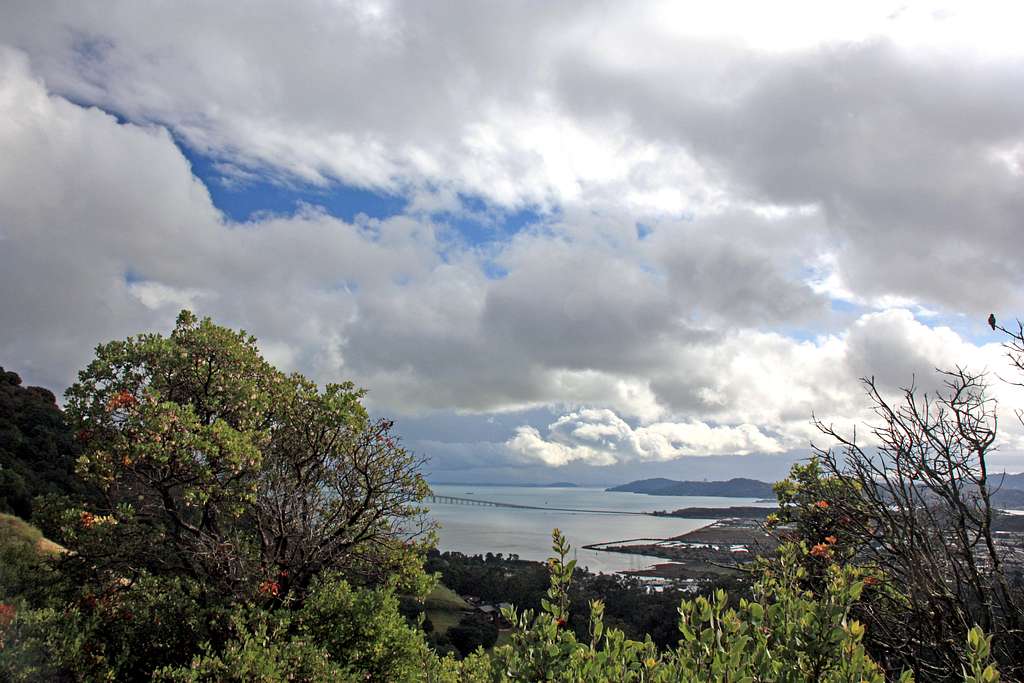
point(16, 530)
point(444, 608)
point(444, 598)
point(443, 619)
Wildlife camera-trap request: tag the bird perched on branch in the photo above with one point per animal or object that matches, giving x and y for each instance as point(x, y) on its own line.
point(992, 320)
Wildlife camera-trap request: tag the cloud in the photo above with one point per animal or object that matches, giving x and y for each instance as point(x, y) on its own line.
point(899, 126)
point(600, 437)
point(891, 126)
point(731, 225)
point(892, 146)
point(106, 232)
point(155, 295)
point(588, 315)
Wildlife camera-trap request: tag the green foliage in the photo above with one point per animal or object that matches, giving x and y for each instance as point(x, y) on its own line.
point(786, 634)
point(979, 653)
point(814, 507)
point(171, 629)
point(37, 451)
point(174, 629)
point(363, 630)
point(261, 649)
point(121, 631)
point(473, 632)
point(220, 467)
point(340, 634)
point(842, 523)
point(32, 642)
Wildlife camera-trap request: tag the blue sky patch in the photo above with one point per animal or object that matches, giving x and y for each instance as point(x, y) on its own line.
point(480, 223)
point(241, 199)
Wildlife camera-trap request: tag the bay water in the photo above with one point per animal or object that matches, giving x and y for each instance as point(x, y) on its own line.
point(473, 529)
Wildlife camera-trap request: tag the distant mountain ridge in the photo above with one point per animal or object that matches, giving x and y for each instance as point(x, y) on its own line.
point(1008, 481)
point(1009, 490)
point(1008, 499)
point(1009, 493)
point(737, 487)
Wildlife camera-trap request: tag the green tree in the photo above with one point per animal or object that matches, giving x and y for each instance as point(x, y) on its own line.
point(472, 632)
point(37, 451)
point(216, 466)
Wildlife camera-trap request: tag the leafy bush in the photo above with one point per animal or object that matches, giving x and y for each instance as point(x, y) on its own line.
point(924, 535)
point(178, 630)
point(786, 634)
point(472, 632)
point(121, 631)
point(363, 630)
point(261, 649)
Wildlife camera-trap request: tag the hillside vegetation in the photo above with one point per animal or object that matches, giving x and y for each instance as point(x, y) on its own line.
point(37, 448)
point(16, 531)
point(733, 488)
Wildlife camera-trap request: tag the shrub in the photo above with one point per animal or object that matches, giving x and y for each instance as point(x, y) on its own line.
point(786, 634)
point(472, 632)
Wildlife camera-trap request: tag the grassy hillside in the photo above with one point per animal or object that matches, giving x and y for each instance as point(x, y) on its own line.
point(445, 598)
point(14, 530)
point(444, 608)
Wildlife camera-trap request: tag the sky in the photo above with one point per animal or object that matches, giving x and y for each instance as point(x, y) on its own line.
point(556, 241)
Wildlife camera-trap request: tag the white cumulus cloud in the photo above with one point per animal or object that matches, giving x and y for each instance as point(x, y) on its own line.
point(600, 437)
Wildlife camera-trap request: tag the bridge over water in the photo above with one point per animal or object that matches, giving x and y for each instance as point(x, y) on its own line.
point(453, 500)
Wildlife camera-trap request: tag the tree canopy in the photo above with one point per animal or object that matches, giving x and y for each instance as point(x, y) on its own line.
point(37, 453)
point(215, 465)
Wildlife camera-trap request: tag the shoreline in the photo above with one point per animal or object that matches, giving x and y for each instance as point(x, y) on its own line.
point(711, 551)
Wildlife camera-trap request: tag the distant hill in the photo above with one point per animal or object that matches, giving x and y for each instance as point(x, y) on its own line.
point(1008, 499)
point(734, 488)
point(742, 512)
point(646, 485)
point(1009, 481)
point(1005, 495)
